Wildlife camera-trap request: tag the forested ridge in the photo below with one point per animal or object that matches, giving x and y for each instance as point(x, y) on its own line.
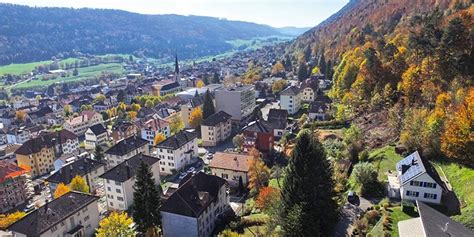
point(32, 34)
point(408, 64)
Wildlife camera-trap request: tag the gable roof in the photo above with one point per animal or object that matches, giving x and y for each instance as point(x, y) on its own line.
point(261, 126)
point(98, 129)
point(9, 170)
point(436, 224)
point(290, 91)
point(127, 169)
point(79, 167)
point(34, 145)
point(317, 107)
point(62, 136)
point(231, 161)
point(219, 117)
point(178, 140)
point(127, 145)
point(50, 214)
point(413, 166)
point(194, 194)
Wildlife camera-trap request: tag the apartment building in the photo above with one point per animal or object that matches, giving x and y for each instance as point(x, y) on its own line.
point(177, 151)
point(13, 190)
point(238, 101)
point(120, 179)
point(73, 214)
point(216, 128)
point(125, 149)
point(189, 107)
point(81, 123)
point(123, 129)
point(290, 99)
point(153, 127)
point(38, 154)
point(96, 135)
point(192, 210)
point(65, 142)
point(86, 168)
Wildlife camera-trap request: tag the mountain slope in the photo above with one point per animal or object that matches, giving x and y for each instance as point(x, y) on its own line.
point(31, 34)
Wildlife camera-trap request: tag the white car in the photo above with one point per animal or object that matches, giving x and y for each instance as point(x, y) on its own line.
point(191, 169)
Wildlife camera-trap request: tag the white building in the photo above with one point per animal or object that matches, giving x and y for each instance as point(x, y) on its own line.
point(153, 127)
point(96, 135)
point(290, 99)
point(176, 151)
point(81, 123)
point(120, 179)
point(238, 101)
point(73, 214)
point(416, 179)
point(125, 149)
point(192, 210)
point(216, 128)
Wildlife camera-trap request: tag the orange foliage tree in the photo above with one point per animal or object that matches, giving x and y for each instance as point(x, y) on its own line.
point(266, 196)
point(259, 173)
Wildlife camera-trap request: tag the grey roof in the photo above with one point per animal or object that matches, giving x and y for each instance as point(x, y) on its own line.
point(262, 126)
point(44, 218)
point(277, 115)
point(79, 167)
point(436, 224)
point(178, 140)
point(219, 117)
point(127, 169)
point(194, 194)
point(317, 107)
point(413, 166)
point(98, 129)
point(127, 145)
point(290, 91)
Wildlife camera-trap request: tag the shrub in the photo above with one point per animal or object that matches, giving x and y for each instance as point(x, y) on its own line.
point(372, 216)
point(377, 207)
point(386, 205)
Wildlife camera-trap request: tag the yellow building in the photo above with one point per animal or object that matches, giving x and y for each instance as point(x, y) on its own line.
point(37, 154)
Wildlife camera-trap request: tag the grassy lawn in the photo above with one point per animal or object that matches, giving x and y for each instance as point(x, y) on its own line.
point(21, 68)
point(461, 179)
point(398, 215)
point(384, 159)
point(84, 73)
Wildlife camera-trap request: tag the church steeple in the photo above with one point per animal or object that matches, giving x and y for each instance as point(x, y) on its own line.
point(176, 68)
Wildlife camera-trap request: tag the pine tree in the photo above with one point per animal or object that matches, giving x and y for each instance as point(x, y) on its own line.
point(309, 187)
point(215, 78)
point(208, 106)
point(99, 153)
point(147, 201)
point(322, 64)
point(302, 71)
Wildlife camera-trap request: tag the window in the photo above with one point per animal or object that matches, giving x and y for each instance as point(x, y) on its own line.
point(416, 183)
point(54, 228)
point(225, 176)
point(86, 218)
point(109, 189)
point(430, 195)
point(117, 183)
point(118, 190)
point(120, 198)
point(429, 185)
point(413, 193)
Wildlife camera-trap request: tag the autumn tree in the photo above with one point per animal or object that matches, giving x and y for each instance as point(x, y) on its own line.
point(61, 189)
point(238, 141)
point(116, 224)
point(20, 115)
point(176, 124)
point(259, 173)
point(457, 141)
point(278, 68)
point(149, 104)
point(266, 197)
point(278, 86)
point(200, 84)
point(100, 97)
point(79, 184)
point(7, 219)
point(195, 119)
point(67, 110)
point(158, 138)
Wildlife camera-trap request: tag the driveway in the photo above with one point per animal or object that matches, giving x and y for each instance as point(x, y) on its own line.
point(349, 215)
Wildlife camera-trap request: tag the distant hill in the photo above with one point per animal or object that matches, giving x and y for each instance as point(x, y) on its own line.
point(31, 34)
point(292, 31)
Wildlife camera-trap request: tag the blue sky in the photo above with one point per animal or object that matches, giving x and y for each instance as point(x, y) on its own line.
point(278, 13)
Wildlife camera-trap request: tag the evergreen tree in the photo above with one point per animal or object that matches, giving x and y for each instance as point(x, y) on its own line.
point(322, 64)
point(208, 106)
point(302, 71)
point(288, 64)
point(99, 153)
point(309, 187)
point(147, 201)
point(121, 96)
point(215, 78)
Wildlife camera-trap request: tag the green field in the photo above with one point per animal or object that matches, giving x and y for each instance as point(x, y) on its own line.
point(384, 159)
point(84, 73)
point(21, 68)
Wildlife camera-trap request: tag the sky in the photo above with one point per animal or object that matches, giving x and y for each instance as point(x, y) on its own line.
point(277, 13)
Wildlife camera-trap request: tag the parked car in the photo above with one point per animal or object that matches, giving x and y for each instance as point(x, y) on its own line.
point(182, 175)
point(351, 196)
point(191, 169)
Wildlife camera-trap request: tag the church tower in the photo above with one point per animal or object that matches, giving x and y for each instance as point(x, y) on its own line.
point(176, 68)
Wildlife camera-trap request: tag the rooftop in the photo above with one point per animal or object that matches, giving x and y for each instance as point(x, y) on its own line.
point(79, 167)
point(127, 169)
point(219, 117)
point(50, 214)
point(127, 145)
point(231, 161)
point(178, 140)
point(9, 170)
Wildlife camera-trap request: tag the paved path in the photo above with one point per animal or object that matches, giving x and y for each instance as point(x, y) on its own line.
point(349, 215)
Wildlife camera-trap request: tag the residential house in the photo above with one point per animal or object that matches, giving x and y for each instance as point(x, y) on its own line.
point(318, 111)
point(65, 142)
point(216, 128)
point(126, 149)
point(431, 223)
point(259, 134)
point(86, 168)
point(153, 127)
point(123, 129)
point(81, 123)
point(120, 179)
point(177, 151)
point(96, 135)
point(238, 101)
point(37, 154)
point(231, 167)
point(290, 99)
point(308, 90)
point(194, 208)
point(40, 116)
point(73, 214)
point(189, 107)
point(279, 119)
point(13, 191)
point(416, 179)
point(108, 103)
